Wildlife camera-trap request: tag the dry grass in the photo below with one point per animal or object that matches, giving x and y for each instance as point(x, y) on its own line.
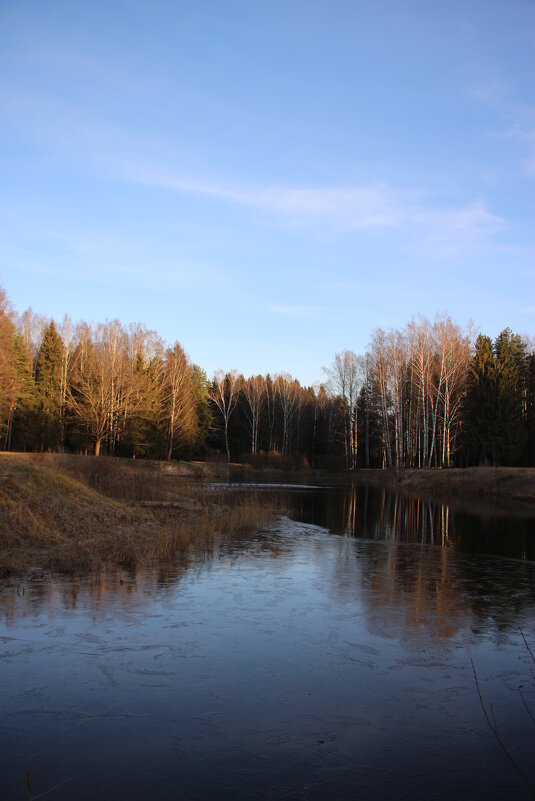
point(508, 484)
point(76, 514)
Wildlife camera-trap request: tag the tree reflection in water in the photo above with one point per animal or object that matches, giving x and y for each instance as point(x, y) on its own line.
point(287, 663)
point(379, 514)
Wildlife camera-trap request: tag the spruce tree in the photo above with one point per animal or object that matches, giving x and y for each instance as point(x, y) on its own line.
point(480, 419)
point(530, 411)
point(511, 369)
point(201, 393)
point(48, 388)
point(7, 376)
point(22, 431)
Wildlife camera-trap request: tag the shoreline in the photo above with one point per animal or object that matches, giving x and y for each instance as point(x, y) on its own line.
point(69, 513)
point(510, 484)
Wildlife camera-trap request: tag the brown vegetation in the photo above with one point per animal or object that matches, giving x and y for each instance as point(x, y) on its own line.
point(507, 484)
point(75, 514)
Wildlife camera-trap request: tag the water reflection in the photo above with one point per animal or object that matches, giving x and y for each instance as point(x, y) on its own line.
point(402, 588)
point(119, 591)
point(379, 514)
point(287, 664)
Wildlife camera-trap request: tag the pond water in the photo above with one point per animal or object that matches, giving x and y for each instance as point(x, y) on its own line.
point(328, 656)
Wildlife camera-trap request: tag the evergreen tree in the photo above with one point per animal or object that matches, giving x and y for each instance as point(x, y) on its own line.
point(139, 434)
point(530, 410)
point(511, 368)
point(148, 437)
point(480, 412)
point(7, 373)
point(201, 393)
point(371, 428)
point(48, 388)
point(22, 423)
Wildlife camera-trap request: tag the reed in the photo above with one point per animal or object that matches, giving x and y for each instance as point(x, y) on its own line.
point(63, 516)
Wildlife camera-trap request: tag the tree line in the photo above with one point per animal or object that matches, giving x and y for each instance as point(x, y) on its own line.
point(424, 396)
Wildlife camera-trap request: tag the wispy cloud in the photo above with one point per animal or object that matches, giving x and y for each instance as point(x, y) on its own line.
point(120, 156)
point(358, 206)
point(471, 220)
point(519, 118)
point(489, 92)
point(524, 134)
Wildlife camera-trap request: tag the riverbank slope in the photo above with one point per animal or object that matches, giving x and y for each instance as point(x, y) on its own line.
point(75, 514)
point(508, 484)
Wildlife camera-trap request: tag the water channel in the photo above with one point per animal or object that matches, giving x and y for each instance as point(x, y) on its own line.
point(329, 655)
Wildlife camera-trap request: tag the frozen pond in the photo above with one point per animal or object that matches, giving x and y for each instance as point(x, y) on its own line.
point(293, 664)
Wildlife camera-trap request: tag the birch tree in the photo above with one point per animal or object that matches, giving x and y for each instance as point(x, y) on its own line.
point(456, 352)
point(345, 378)
point(178, 406)
point(421, 358)
point(396, 371)
point(287, 392)
point(379, 359)
point(88, 395)
point(66, 332)
point(224, 393)
point(271, 397)
point(104, 394)
point(254, 390)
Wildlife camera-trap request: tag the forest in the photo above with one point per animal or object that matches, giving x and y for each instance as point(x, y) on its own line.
point(428, 395)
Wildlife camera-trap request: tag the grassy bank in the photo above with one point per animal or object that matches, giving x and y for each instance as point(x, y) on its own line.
point(506, 484)
point(71, 513)
point(76, 514)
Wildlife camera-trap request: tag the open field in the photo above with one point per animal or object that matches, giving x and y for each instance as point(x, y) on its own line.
point(75, 514)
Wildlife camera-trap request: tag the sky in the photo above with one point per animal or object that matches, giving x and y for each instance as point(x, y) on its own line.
point(268, 182)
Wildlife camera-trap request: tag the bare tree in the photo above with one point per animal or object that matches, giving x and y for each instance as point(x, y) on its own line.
point(421, 345)
point(224, 393)
point(271, 397)
point(87, 395)
point(379, 358)
point(345, 378)
point(104, 393)
point(178, 406)
point(396, 365)
point(66, 332)
point(455, 352)
point(287, 392)
point(254, 390)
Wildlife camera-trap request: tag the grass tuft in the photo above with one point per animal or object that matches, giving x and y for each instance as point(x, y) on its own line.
point(78, 514)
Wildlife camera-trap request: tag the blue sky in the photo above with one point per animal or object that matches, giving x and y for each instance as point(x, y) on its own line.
point(268, 182)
